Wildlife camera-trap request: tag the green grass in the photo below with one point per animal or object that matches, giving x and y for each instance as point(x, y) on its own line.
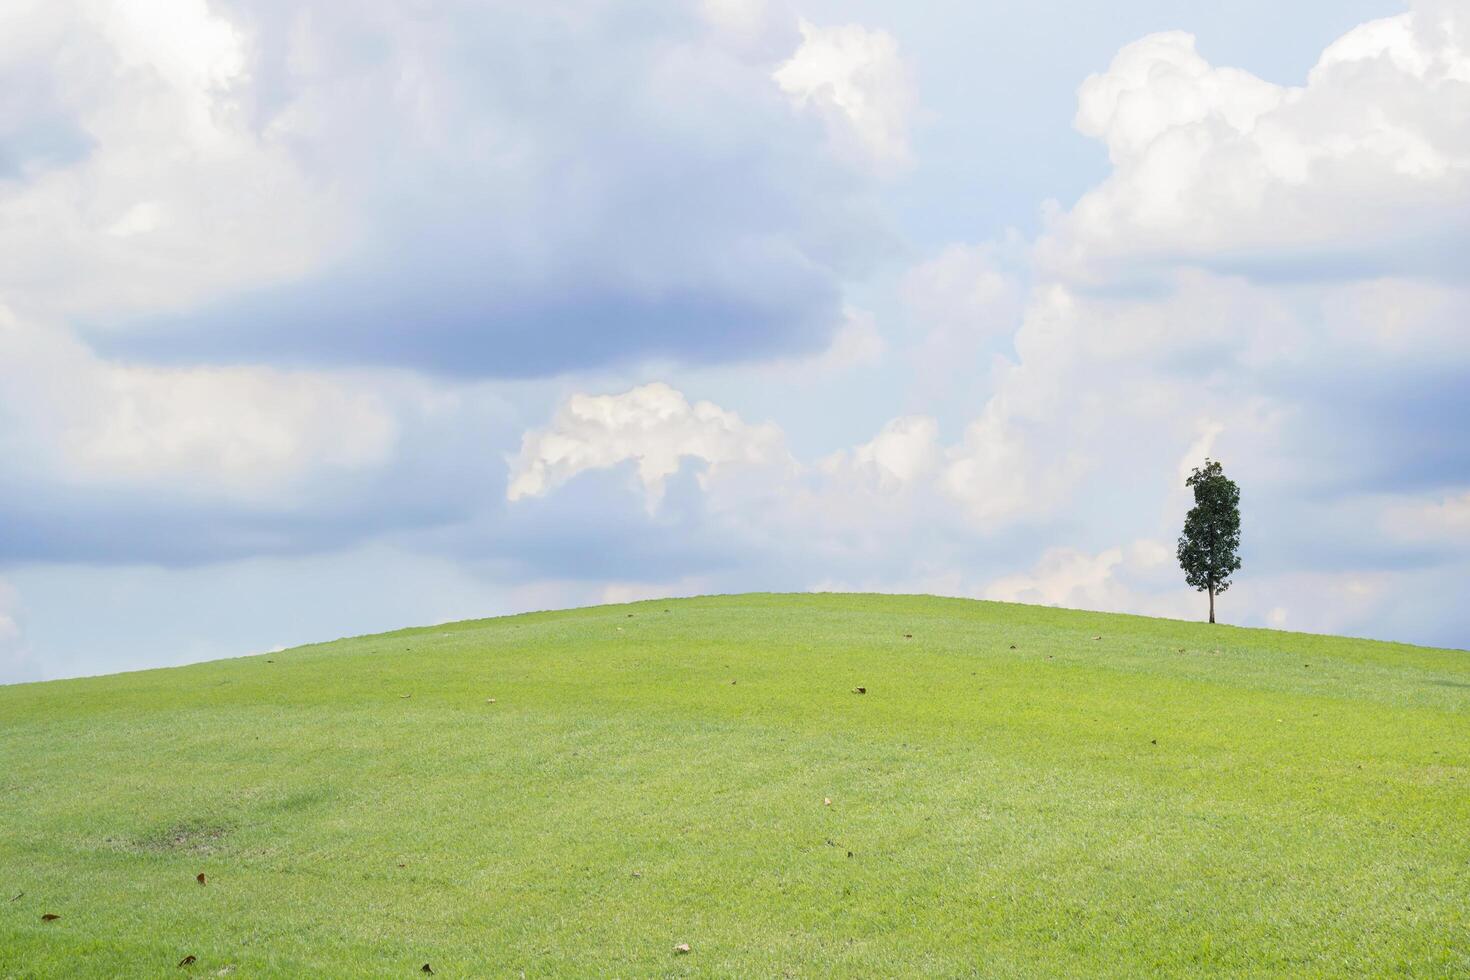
point(1021, 792)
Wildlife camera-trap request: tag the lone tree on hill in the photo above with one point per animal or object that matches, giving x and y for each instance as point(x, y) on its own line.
point(1209, 546)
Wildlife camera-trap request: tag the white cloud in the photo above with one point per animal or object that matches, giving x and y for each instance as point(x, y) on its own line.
point(1142, 578)
point(1370, 160)
point(652, 425)
point(211, 155)
point(856, 344)
point(962, 303)
point(229, 433)
point(902, 502)
point(16, 662)
point(1063, 576)
point(851, 507)
point(1201, 449)
point(656, 427)
point(856, 78)
point(244, 429)
point(761, 27)
point(965, 289)
point(1136, 579)
point(316, 184)
point(1340, 601)
point(1110, 386)
point(1160, 84)
point(1007, 469)
point(199, 155)
point(1443, 519)
point(178, 39)
point(168, 196)
point(905, 452)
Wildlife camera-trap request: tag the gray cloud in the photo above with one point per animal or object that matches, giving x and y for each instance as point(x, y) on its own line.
point(532, 192)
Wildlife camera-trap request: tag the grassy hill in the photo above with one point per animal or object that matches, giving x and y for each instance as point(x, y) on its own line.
point(1021, 791)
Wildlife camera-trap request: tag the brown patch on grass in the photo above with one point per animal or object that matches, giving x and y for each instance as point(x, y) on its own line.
point(189, 837)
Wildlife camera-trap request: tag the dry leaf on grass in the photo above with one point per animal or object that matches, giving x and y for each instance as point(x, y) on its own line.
point(681, 949)
point(200, 878)
point(49, 917)
point(188, 960)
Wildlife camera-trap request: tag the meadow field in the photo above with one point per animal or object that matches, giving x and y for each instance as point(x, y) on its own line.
point(791, 785)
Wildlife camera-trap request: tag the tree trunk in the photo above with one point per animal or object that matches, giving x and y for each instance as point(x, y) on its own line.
point(1212, 603)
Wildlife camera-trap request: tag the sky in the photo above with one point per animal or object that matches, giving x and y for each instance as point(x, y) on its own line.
point(322, 319)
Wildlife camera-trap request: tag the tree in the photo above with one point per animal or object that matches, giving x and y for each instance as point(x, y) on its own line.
point(1209, 546)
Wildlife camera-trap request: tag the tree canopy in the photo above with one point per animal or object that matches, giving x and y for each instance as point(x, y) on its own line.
point(1209, 547)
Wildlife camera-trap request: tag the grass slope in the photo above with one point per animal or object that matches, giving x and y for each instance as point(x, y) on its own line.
point(1021, 792)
